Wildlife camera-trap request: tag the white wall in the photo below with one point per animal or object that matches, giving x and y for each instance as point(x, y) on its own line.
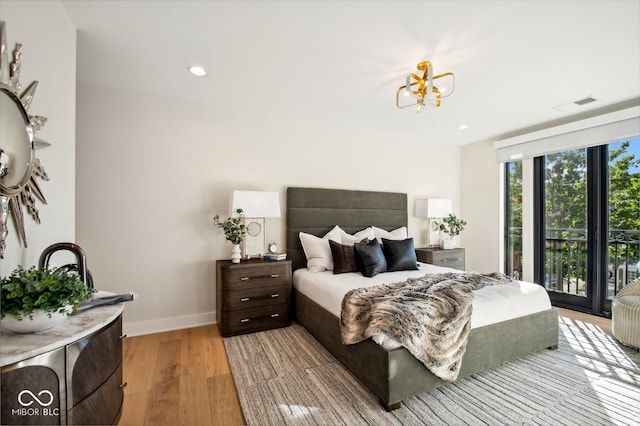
point(481, 206)
point(48, 37)
point(152, 172)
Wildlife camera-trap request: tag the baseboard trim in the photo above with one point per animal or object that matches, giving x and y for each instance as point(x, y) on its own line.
point(141, 328)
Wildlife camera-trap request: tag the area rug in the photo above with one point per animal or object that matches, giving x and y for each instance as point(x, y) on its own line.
point(285, 376)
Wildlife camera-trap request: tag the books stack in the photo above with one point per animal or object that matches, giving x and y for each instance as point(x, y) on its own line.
point(275, 256)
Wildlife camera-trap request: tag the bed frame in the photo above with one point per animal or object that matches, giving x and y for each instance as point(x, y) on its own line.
point(394, 375)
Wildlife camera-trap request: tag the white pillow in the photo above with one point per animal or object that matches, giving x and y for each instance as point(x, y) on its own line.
point(317, 250)
point(350, 240)
point(396, 234)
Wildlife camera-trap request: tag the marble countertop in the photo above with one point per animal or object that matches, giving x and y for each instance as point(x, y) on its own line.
point(16, 347)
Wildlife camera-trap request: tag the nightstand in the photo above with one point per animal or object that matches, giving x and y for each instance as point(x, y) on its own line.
point(252, 295)
point(451, 258)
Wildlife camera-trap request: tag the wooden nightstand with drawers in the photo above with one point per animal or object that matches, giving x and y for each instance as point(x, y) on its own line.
point(252, 295)
point(451, 258)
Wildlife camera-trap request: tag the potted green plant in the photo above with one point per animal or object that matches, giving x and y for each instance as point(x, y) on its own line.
point(452, 226)
point(234, 230)
point(37, 299)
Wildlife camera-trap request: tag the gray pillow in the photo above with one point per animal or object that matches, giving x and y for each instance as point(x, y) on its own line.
point(370, 258)
point(400, 254)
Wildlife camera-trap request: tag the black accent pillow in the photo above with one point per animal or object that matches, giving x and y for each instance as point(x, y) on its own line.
point(344, 258)
point(400, 254)
point(370, 258)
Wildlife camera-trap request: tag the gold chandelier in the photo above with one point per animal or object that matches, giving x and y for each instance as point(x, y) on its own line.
point(423, 88)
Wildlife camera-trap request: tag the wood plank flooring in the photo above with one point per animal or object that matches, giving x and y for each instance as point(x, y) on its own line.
point(179, 378)
point(183, 377)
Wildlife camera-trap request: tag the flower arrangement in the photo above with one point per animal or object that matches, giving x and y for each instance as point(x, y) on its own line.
point(452, 226)
point(26, 290)
point(233, 228)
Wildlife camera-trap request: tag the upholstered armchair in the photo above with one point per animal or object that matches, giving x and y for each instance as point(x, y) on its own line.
point(625, 315)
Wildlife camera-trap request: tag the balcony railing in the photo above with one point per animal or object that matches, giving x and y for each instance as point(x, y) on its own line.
point(566, 260)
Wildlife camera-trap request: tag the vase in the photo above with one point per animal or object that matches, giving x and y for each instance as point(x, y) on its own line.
point(448, 244)
point(39, 321)
point(235, 253)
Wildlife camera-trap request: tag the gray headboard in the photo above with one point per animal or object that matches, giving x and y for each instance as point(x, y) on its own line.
point(317, 210)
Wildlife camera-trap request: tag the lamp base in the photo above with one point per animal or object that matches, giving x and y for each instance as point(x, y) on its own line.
point(434, 233)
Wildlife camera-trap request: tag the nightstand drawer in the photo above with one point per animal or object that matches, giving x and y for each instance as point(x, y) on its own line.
point(257, 296)
point(266, 274)
point(450, 258)
point(256, 319)
point(252, 295)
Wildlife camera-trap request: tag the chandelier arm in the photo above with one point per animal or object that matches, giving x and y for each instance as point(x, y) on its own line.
point(418, 94)
point(453, 79)
point(437, 92)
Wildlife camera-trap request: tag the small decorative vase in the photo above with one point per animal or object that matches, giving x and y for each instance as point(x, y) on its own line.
point(235, 253)
point(448, 244)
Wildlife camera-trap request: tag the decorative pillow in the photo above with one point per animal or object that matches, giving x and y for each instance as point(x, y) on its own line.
point(396, 234)
point(317, 250)
point(344, 257)
point(400, 254)
point(357, 237)
point(371, 258)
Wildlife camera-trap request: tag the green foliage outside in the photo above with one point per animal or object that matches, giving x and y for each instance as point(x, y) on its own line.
point(51, 291)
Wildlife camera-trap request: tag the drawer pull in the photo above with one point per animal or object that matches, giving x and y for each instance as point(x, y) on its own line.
point(275, 315)
point(245, 278)
point(244, 299)
point(275, 295)
point(275, 275)
point(244, 320)
point(451, 260)
point(123, 385)
point(122, 337)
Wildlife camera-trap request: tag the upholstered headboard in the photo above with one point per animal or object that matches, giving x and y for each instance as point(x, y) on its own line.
point(317, 210)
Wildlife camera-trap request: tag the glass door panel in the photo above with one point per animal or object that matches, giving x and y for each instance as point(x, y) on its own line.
point(513, 231)
point(624, 215)
point(565, 220)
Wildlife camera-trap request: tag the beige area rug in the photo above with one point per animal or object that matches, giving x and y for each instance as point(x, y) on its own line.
point(285, 376)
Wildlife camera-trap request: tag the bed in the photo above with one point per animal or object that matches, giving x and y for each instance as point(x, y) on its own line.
point(393, 375)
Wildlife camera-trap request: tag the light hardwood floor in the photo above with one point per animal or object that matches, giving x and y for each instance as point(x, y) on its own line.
point(183, 377)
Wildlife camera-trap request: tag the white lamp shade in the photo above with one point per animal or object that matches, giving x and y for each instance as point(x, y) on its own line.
point(256, 203)
point(433, 208)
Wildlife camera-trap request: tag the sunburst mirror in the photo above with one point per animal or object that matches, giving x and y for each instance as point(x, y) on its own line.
point(19, 168)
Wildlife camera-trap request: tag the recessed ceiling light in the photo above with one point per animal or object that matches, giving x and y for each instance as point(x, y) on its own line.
point(197, 70)
point(462, 127)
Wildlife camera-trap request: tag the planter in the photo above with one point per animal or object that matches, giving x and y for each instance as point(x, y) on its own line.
point(448, 244)
point(235, 253)
point(40, 321)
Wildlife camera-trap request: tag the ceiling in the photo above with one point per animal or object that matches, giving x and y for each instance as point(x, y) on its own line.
point(339, 63)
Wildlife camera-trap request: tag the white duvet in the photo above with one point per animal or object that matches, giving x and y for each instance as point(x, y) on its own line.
point(491, 304)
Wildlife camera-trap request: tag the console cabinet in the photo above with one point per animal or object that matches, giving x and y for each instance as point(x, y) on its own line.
point(79, 382)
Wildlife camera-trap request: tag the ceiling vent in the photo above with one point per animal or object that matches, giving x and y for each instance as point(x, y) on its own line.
point(575, 104)
point(584, 101)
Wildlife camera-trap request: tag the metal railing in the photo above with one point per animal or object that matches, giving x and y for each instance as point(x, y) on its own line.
point(565, 268)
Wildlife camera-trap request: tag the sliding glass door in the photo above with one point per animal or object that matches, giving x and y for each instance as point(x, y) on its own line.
point(623, 245)
point(587, 230)
point(564, 266)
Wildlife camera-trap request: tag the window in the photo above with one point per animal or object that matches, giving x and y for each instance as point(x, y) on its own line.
point(513, 222)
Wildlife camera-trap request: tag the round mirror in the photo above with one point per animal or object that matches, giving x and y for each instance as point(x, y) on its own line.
point(16, 144)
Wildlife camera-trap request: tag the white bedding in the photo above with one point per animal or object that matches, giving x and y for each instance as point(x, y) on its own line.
point(491, 304)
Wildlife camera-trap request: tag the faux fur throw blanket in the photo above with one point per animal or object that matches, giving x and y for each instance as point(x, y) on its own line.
point(430, 316)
